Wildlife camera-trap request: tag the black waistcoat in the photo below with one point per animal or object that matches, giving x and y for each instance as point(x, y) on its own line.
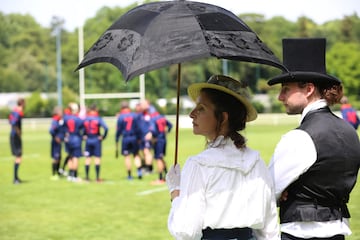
point(321, 193)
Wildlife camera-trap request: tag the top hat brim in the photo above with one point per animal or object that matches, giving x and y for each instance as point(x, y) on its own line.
point(195, 89)
point(303, 77)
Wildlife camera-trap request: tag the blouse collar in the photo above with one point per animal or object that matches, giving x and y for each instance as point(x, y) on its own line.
point(220, 141)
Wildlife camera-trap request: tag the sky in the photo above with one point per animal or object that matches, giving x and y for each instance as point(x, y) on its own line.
point(75, 12)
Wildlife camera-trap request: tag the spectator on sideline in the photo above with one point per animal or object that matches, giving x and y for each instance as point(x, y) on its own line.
point(93, 136)
point(226, 191)
point(15, 120)
point(162, 126)
point(348, 113)
point(74, 131)
point(57, 136)
point(127, 126)
point(314, 166)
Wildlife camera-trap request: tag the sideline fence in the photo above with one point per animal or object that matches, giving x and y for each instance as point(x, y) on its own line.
point(184, 120)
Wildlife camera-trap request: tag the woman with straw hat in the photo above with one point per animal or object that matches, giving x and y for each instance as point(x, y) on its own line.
point(224, 192)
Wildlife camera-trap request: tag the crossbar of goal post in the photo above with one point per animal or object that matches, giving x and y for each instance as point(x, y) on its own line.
point(140, 95)
point(112, 95)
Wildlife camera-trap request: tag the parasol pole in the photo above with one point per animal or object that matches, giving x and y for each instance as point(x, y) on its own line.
point(177, 113)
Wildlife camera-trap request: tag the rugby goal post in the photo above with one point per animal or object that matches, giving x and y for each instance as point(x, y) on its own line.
point(83, 95)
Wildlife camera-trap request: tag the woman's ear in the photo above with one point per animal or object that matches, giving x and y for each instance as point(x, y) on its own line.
point(225, 117)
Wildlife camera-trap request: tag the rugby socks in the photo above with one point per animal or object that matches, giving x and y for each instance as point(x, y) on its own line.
point(148, 168)
point(55, 168)
point(87, 167)
point(16, 168)
point(97, 170)
point(66, 161)
point(139, 172)
point(71, 173)
point(163, 173)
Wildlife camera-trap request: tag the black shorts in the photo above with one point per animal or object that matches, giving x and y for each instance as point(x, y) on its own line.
point(285, 236)
point(16, 145)
point(227, 234)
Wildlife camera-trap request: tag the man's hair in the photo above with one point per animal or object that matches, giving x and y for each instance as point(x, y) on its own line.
point(330, 91)
point(20, 102)
point(93, 107)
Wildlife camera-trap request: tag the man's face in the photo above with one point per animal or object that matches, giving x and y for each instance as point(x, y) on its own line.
point(293, 97)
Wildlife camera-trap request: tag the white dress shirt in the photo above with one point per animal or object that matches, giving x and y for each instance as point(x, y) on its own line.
point(294, 155)
point(224, 187)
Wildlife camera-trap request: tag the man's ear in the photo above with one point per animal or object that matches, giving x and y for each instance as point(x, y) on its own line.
point(310, 88)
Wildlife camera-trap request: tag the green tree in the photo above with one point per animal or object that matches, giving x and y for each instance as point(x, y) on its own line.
point(343, 61)
point(28, 57)
point(36, 106)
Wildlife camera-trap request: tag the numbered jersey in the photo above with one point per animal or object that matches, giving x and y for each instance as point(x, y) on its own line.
point(161, 126)
point(93, 123)
point(127, 125)
point(74, 129)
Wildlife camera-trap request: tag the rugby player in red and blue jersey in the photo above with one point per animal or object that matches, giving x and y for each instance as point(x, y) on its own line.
point(128, 127)
point(349, 113)
point(57, 136)
point(93, 124)
point(162, 126)
point(74, 132)
point(145, 126)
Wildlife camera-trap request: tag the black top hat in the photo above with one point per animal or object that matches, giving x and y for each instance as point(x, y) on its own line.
point(305, 60)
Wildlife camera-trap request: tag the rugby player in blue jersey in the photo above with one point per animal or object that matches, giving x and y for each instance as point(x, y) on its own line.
point(145, 124)
point(15, 118)
point(57, 136)
point(74, 131)
point(128, 127)
point(93, 124)
point(62, 170)
point(162, 126)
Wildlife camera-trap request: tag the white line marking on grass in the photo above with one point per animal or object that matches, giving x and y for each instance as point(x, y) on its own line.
point(151, 191)
point(25, 156)
point(7, 158)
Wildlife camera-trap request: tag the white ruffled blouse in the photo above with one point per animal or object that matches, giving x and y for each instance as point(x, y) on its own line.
point(224, 187)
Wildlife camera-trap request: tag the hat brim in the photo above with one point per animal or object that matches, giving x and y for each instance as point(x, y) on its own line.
point(195, 88)
point(303, 77)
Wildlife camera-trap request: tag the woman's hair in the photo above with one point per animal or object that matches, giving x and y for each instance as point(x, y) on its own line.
point(236, 114)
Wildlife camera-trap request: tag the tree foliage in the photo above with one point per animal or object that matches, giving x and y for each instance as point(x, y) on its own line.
point(28, 61)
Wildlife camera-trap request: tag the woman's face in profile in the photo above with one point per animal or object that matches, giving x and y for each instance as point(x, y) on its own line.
point(204, 121)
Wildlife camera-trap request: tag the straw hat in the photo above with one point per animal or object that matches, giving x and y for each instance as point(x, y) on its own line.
point(227, 85)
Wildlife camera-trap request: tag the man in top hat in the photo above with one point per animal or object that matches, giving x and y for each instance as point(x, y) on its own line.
point(314, 166)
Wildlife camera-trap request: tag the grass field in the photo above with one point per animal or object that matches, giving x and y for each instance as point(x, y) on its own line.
point(116, 209)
